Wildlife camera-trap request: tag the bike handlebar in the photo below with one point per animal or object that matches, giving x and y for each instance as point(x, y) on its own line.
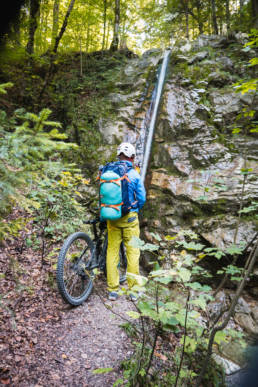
point(93, 221)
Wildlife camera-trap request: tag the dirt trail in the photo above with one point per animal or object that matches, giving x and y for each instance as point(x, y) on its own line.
point(91, 337)
point(45, 342)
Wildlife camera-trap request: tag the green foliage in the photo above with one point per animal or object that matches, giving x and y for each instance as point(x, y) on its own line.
point(248, 87)
point(4, 86)
point(34, 141)
point(11, 229)
point(162, 311)
point(251, 208)
point(29, 153)
point(102, 371)
point(54, 205)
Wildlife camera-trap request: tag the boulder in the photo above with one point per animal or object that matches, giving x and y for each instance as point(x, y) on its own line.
point(225, 103)
point(247, 323)
point(228, 366)
point(220, 231)
point(198, 57)
point(226, 63)
point(233, 351)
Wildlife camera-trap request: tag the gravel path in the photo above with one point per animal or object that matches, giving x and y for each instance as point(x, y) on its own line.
point(92, 338)
point(53, 344)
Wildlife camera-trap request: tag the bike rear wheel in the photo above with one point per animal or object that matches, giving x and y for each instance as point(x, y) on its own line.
point(73, 268)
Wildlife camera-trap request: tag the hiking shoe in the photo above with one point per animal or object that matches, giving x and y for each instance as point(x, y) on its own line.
point(112, 296)
point(132, 297)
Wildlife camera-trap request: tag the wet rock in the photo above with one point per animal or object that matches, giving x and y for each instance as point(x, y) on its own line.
point(118, 98)
point(255, 314)
point(219, 79)
point(233, 351)
point(228, 366)
point(112, 133)
point(178, 113)
point(242, 306)
point(220, 231)
point(246, 322)
point(225, 103)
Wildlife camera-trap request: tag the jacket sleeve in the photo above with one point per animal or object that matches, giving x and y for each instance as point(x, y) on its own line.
point(140, 193)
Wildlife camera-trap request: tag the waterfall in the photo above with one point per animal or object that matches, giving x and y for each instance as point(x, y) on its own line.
point(144, 141)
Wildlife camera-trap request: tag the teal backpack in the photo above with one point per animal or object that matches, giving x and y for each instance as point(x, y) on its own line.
point(113, 191)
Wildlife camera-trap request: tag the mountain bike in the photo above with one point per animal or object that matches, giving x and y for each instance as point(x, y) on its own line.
point(80, 258)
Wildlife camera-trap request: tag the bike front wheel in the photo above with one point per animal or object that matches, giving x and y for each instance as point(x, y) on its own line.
point(73, 274)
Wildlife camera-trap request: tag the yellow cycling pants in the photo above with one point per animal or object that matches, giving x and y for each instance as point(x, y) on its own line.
point(120, 230)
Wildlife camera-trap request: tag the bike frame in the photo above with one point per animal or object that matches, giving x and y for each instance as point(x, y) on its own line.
point(97, 242)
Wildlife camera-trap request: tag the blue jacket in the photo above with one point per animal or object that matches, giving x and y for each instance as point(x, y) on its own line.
point(136, 189)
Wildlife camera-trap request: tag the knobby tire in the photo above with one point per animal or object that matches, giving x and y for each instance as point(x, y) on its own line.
point(73, 279)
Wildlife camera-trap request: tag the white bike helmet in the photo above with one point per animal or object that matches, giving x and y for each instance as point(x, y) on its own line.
point(127, 149)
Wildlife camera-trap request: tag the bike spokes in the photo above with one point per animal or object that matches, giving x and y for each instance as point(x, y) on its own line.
point(74, 277)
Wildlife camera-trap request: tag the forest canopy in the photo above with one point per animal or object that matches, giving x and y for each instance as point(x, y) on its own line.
point(40, 26)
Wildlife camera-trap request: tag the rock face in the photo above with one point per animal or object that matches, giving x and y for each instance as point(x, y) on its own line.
point(199, 171)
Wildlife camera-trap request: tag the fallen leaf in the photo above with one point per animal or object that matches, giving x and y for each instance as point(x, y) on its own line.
point(161, 356)
point(5, 381)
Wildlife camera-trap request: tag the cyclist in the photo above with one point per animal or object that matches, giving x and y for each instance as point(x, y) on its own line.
point(125, 228)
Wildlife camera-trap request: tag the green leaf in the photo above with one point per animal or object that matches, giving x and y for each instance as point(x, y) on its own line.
point(118, 382)
point(190, 344)
point(220, 337)
point(184, 274)
point(234, 249)
point(191, 245)
point(140, 279)
point(197, 286)
point(164, 280)
point(142, 372)
point(156, 236)
point(133, 314)
point(140, 244)
point(172, 321)
point(102, 370)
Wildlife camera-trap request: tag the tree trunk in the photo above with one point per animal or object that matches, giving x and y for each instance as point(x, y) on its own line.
point(33, 24)
point(104, 23)
point(107, 38)
point(214, 17)
point(88, 37)
point(199, 16)
point(55, 22)
point(62, 30)
point(241, 3)
point(187, 19)
point(227, 16)
point(255, 13)
point(17, 32)
point(115, 41)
